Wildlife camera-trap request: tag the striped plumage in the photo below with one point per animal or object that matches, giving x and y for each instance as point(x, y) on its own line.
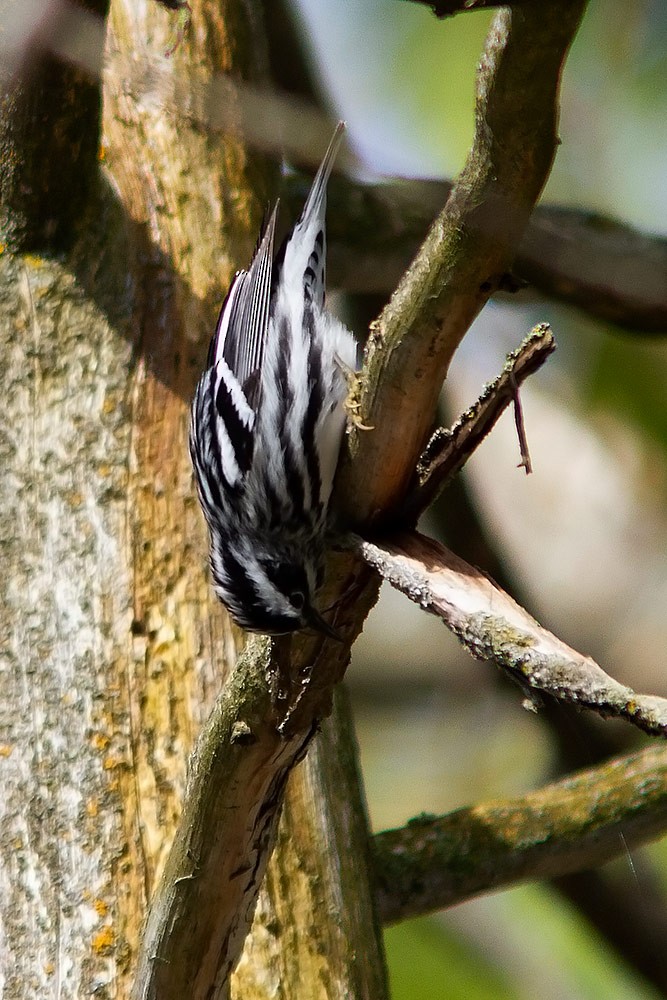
point(267, 422)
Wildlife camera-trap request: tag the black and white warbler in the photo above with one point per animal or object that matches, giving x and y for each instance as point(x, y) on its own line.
point(268, 418)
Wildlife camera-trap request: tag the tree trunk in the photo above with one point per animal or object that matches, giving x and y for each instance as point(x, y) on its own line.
point(114, 648)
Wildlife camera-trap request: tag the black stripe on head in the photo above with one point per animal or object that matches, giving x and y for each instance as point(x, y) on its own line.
point(290, 579)
point(234, 581)
point(244, 602)
point(240, 436)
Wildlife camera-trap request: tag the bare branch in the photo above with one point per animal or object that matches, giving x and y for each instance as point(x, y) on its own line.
point(304, 669)
point(202, 908)
point(494, 627)
point(323, 818)
point(573, 824)
point(448, 450)
point(600, 264)
point(466, 255)
point(607, 268)
point(447, 8)
point(260, 728)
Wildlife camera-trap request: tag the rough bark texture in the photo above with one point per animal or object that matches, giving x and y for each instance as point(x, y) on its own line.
point(262, 724)
point(467, 253)
point(307, 669)
point(571, 825)
point(65, 620)
point(39, 205)
point(493, 627)
point(323, 817)
point(113, 648)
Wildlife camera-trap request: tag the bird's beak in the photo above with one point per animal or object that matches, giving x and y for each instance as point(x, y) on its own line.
point(315, 620)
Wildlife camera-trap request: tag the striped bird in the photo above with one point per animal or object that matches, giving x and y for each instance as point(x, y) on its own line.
point(268, 418)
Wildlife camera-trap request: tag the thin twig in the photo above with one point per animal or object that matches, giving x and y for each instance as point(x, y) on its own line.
point(449, 450)
point(525, 462)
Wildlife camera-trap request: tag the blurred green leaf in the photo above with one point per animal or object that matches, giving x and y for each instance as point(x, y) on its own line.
point(427, 963)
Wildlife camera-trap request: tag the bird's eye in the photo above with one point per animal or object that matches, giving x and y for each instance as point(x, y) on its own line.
point(297, 599)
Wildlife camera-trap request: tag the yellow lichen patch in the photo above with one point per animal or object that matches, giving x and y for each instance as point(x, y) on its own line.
point(110, 763)
point(109, 405)
point(6, 750)
point(101, 908)
point(104, 940)
point(75, 499)
point(92, 808)
point(100, 741)
point(49, 968)
point(164, 638)
point(33, 261)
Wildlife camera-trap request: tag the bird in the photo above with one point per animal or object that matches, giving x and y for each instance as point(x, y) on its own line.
point(267, 421)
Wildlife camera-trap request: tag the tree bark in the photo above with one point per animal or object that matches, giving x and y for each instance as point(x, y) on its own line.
point(39, 203)
point(113, 647)
point(116, 649)
point(324, 818)
point(466, 255)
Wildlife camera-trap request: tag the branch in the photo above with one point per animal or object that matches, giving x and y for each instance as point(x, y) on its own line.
point(609, 269)
point(447, 8)
point(261, 726)
point(322, 856)
point(571, 825)
point(448, 450)
point(466, 255)
point(266, 718)
point(494, 627)
point(605, 267)
point(201, 910)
